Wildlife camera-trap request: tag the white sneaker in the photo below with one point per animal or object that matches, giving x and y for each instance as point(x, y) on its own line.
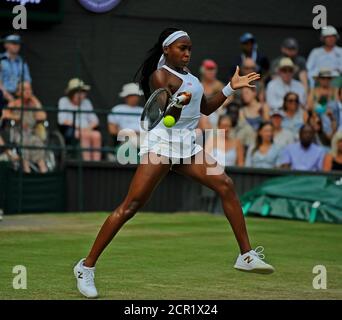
point(252, 262)
point(85, 279)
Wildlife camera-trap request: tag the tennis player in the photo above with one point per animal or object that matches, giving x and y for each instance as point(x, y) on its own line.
point(165, 67)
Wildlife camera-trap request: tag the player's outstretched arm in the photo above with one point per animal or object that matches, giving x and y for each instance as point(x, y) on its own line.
point(208, 106)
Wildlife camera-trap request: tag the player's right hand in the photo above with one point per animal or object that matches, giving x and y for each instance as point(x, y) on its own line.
point(188, 96)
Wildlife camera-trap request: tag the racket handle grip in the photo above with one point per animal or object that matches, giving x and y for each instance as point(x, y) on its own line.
point(181, 98)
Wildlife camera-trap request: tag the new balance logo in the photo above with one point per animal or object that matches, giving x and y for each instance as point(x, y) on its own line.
point(248, 259)
point(80, 275)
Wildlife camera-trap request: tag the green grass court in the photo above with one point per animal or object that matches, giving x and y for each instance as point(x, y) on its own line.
point(168, 256)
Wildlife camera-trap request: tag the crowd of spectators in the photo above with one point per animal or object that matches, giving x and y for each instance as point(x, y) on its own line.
point(292, 118)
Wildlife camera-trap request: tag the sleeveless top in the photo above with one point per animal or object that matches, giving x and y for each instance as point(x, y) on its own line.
point(253, 122)
point(293, 124)
point(320, 105)
point(179, 141)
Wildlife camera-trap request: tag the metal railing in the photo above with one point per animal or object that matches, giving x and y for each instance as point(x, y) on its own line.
point(74, 147)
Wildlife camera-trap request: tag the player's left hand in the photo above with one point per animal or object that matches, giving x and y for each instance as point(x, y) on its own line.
point(238, 81)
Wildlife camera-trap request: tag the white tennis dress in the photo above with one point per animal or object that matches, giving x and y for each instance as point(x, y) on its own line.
point(178, 142)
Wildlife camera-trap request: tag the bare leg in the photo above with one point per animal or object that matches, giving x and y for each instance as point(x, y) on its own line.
point(26, 166)
point(144, 182)
point(96, 143)
point(42, 166)
point(85, 143)
point(224, 186)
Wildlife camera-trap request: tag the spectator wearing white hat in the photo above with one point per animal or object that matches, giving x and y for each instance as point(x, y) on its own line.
point(80, 125)
point(327, 56)
point(284, 83)
point(126, 116)
point(289, 49)
point(13, 68)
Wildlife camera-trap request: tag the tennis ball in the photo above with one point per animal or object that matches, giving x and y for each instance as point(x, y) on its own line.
point(169, 121)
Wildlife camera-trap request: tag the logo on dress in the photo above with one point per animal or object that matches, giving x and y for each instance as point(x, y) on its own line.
point(189, 83)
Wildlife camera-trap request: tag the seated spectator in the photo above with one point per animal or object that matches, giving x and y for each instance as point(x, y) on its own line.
point(211, 86)
point(249, 50)
point(281, 136)
point(12, 68)
point(321, 138)
point(327, 56)
point(294, 115)
point(131, 94)
point(31, 119)
point(333, 160)
point(305, 154)
point(284, 83)
point(2, 101)
point(338, 111)
point(323, 99)
point(225, 150)
point(289, 49)
point(5, 153)
point(240, 130)
point(264, 153)
point(79, 125)
point(253, 112)
point(248, 66)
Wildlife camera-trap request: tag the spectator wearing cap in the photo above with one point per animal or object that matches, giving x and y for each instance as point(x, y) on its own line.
point(249, 49)
point(79, 125)
point(329, 55)
point(211, 86)
point(125, 117)
point(305, 154)
point(289, 49)
point(281, 136)
point(13, 68)
point(284, 83)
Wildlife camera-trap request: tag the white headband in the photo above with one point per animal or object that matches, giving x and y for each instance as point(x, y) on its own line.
point(169, 40)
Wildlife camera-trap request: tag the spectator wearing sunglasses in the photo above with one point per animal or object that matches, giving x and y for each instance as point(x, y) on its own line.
point(294, 116)
point(290, 49)
point(284, 83)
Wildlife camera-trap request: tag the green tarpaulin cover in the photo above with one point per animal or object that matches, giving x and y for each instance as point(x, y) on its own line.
point(311, 198)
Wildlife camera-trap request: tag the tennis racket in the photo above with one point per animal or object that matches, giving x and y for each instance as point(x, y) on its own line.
point(156, 107)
